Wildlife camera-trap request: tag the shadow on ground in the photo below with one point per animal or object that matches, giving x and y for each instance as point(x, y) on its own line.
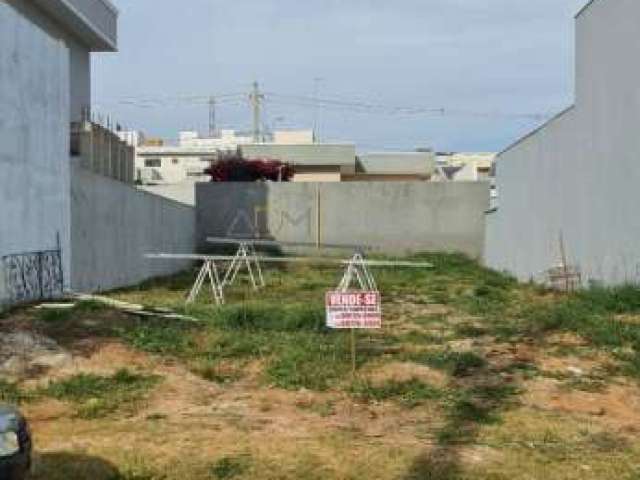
point(477, 399)
point(71, 466)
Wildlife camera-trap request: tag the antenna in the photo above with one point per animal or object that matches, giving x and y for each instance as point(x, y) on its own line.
point(212, 116)
point(256, 99)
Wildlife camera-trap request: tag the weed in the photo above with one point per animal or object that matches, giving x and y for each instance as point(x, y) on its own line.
point(282, 318)
point(86, 306)
point(310, 361)
point(419, 338)
point(97, 396)
point(217, 372)
point(50, 315)
point(409, 393)
point(11, 393)
point(231, 467)
point(470, 330)
point(160, 338)
point(458, 364)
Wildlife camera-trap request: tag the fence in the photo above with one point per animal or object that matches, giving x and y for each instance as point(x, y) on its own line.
point(101, 151)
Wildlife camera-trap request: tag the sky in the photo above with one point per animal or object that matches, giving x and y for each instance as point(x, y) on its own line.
point(494, 66)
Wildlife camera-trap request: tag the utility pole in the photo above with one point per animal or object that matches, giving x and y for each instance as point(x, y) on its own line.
point(316, 111)
point(256, 99)
point(212, 116)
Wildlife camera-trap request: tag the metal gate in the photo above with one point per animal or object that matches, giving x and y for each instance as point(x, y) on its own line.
point(33, 276)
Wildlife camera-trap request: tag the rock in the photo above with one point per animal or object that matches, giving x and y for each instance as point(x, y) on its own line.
point(23, 352)
point(578, 372)
point(57, 360)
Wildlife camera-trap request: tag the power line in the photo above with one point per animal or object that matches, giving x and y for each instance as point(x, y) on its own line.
point(315, 103)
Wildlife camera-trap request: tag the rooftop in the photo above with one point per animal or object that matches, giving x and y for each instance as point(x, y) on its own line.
point(95, 22)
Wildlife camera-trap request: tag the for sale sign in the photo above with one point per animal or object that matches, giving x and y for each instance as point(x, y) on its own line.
point(356, 309)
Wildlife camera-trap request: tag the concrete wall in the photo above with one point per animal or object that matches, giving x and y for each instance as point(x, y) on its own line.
point(34, 138)
point(184, 192)
point(578, 176)
point(114, 225)
point(394, 217)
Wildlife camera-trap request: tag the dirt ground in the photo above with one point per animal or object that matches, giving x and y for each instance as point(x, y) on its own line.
point(571, 416)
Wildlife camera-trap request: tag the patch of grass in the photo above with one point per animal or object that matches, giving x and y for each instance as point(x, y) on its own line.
point(281, 318)
point(469, 330)
point(11, 393)
point(419, 337)
point(217, 372)
point(592, 315)
point(51, 315)
point(88, 306)
point(310, 361)
point(458, 364)
point(159, 337)
point(409, 393)
point(606, 442)
point(230, 467)
point(97, 396)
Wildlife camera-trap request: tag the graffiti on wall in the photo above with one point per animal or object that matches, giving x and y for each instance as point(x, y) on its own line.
point(33, 276)
point(264, 221)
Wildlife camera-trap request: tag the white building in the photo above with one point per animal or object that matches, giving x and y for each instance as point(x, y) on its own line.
point(45, 85)
point(465, 166)
point(186, 161)
point(577, 177)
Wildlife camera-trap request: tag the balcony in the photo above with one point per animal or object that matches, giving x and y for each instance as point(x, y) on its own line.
point(94, 21)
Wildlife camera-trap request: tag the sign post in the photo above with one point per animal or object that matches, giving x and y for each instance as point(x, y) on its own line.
point(355, 309)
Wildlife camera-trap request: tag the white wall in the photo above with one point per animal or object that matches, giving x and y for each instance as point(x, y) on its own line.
point(34, 140)
point(114, 225)
point(580, 174)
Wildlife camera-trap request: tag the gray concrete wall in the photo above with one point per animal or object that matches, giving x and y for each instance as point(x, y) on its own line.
point(184, 192)
point(579, 175)
point(392, 216)
point(34, 138)
point(79, 75)
point(113, 226)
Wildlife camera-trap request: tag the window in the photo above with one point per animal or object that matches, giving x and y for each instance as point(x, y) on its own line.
point(153, 162)
point(175, 161)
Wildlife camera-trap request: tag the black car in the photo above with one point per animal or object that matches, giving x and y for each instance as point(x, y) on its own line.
point(15, 444)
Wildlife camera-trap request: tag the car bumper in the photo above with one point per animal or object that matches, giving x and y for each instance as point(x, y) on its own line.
point(15, 467)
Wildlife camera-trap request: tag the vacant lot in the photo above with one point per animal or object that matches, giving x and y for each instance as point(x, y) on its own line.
point(473, 377)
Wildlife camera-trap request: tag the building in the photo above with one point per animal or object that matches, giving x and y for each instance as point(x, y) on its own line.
point(394, 166)
point(313, 162)
point(45, 86)
point(173, 170)
point(158, 164)
point(569, 190)
point(464, 167)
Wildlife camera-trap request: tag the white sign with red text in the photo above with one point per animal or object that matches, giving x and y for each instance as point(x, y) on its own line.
point(354, 309)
